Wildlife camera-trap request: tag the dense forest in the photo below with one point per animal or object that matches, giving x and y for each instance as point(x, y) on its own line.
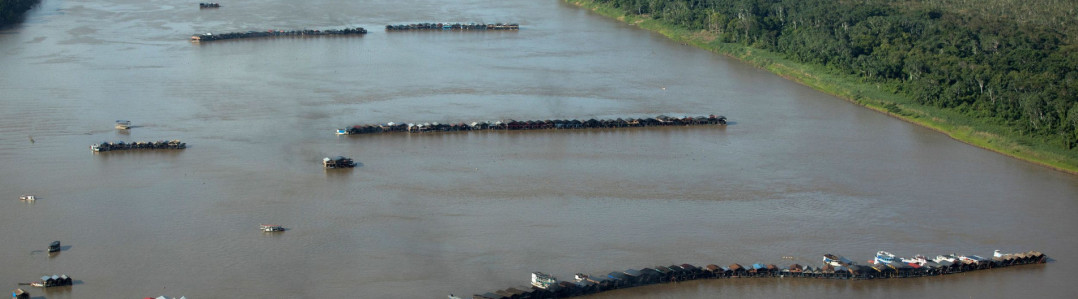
point(11, 11)
point(1004, 62)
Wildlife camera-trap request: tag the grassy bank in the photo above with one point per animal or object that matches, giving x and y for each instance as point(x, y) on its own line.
point(959, 127)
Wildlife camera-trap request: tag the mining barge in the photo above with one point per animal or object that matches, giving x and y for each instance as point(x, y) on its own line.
point(514, 125)
point(207, 37)
point(546, 286)
point(453, 26)
point(138, 145)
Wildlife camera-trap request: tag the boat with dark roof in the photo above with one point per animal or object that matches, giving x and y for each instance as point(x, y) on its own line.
point(836, 260)
point(338, 162)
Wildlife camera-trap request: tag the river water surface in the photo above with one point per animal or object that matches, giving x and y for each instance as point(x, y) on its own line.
point(796, 173)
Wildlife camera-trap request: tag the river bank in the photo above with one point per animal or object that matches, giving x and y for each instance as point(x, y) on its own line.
point(994, 137)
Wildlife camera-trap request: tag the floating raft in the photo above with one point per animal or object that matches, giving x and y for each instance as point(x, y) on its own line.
point(338, 162)
point(139, 145)
point(657, 121)
point(53, 281)
point(546, 286)
point(452, 26)
point(206, 37)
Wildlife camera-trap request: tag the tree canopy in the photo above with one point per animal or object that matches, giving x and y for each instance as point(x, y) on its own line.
point(11, 11)
point(1006, 62)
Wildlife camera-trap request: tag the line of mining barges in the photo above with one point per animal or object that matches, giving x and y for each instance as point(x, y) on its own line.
point(453, 26)
point(206, 37)
point(513, 125)
point(138, 145)
point(834, 267)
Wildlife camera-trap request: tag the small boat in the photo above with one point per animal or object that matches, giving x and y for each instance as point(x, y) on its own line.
point(918, 260)
point(883, 258)
point(342, 132)
point(338, 162)
point(271, 228)
point(951, 258)
point(27, 198)
point(123, 124)
point(52, 281)
point(836, 260)
point(971, 259)
point(543, 281)
point(54, 246)
point(1000, 254)
point(20, 294)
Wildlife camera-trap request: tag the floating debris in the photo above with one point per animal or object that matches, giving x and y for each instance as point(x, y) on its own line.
point(206, 37)
point(453, 26)
point(138, 145)
point(512, 125)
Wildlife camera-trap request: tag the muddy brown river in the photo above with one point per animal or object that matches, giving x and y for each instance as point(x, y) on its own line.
point(797, 173)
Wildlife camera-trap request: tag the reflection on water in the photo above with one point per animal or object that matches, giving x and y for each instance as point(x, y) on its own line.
point(795, 173)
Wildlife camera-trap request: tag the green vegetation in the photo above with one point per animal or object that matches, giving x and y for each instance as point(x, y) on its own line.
point(11, 11)
point(998, 74)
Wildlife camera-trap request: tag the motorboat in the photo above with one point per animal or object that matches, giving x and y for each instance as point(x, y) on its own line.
point(918, 260)
point(338, 162)
point(27, 198)
point(883, 258)
point(271, 228)
point(54, 246)
point(123, 124)
point(543, 281)
point(945, 258)
point(836, 260)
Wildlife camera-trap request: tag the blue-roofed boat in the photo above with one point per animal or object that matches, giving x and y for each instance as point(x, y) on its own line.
point(883, 258)
point(342, 132)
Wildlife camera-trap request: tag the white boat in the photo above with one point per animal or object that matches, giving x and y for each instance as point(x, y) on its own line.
point(919, 260)
point(836, 260)
point(543, 280)
point(945, 258)
point(271, 228)
point(342, 132)
point(883, 257)
point(971, 259)
point(123, 124)
point(27, 198)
